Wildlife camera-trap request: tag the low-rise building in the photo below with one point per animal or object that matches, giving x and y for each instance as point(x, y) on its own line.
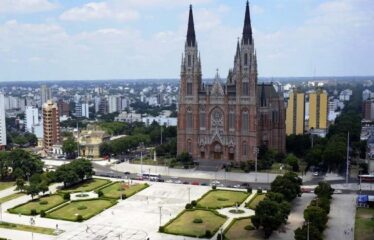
point(90, 141)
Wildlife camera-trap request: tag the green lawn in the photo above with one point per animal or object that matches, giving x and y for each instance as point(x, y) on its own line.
point(237, 231)
point(86, 186)
point(255, 200)
point(11, 197)
point(184, 225)
point(5, 185)
point(43, 203)
point(115, 190)
point(85, 208)
point(222, 198)
point(364, 225)
point(27, 228)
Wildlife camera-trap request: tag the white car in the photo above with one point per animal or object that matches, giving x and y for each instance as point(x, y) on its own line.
point(338, 191)
point(315, 174)
point(215, 182)
point(169, 181)
point(178, 182)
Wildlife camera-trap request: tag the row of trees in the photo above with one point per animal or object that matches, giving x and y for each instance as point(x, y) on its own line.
point(74, 172)
point(316, 214)
point(19, 163)
point(275, 208)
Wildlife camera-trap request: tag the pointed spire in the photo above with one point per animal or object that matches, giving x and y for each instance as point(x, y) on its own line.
point(247, 29)
point(237, 49)
point(191, 37)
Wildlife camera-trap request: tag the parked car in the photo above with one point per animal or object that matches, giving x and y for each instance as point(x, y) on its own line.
point(195, 183)
point(169, 181)
point(204, 184)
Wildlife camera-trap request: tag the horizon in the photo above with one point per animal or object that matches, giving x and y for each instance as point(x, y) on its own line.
point(55, 40)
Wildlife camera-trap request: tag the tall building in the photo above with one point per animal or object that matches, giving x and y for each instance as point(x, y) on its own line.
point(32, 118)
point(2, 122)
point(51, 125)
point(227, 121)
point(45, 94)
point(112, 104)
point(368, 109)
point(295, 113)
point(63, 108)
point(318, 109)
point(85, 110)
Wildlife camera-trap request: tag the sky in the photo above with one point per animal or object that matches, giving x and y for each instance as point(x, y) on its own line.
point(139, 39)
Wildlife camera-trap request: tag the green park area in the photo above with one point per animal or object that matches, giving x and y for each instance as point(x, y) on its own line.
point(86, 186)
point(37, 205)
point(252, 204)
point(222, 198)
point(364, 226)
point(5, 185)
point(242, 229)
point(195, 223)
point(11, 197)
point(27, 228)
point(85, 208)
point(116, 190)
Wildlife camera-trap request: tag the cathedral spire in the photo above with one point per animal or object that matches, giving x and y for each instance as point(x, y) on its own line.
point(237, 50)
point(247, 29)
point(191, 37)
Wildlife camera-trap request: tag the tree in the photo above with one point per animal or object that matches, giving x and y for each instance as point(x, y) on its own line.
point(314, 233)
point(324, 190)
point(69, 147)
point(43, 186)
point(83, 168)
point(20, 183)
point(293, 161)
point(269, 215)
point(185, 158)
point(288, 185)
point(66, 174)
point(316, 216)
point(33, 189)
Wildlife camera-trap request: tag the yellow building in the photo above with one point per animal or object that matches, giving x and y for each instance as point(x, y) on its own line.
point(90, 141)
point(295, 114)
point(318, 109)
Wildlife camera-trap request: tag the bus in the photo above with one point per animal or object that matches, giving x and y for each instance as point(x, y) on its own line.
point(366, 178)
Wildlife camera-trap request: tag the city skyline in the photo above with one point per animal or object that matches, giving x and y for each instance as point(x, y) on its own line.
point(61, 40)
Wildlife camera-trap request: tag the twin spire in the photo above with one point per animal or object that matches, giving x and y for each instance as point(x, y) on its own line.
point(247, 29)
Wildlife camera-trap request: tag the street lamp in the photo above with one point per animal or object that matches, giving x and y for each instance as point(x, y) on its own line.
point(307, 234)
point(32, 223)
point(255, 151)
point(189, 194)
point(141, 145)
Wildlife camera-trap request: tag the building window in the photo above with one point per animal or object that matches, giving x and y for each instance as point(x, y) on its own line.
point(231, 120)
point(245, 89)
point(189, 60)
point(245, 149)
point(189, 119)
point(202, 120)
point(189, 146)
point(189, 88)
point(245, 121)
point(246, 59)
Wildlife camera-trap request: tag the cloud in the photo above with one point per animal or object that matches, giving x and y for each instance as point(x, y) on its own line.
point(26, 6)
point(98, 11)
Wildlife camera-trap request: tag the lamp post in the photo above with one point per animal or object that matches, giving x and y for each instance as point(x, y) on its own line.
point(255, 151)
point(141, 145)
point(160, 208)
point(307, 234)
point(32, 223)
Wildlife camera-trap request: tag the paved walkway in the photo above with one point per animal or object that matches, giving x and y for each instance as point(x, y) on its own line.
point(295, 219)
point(341, 218)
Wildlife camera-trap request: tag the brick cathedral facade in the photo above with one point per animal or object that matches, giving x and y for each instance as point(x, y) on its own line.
point(228, 121)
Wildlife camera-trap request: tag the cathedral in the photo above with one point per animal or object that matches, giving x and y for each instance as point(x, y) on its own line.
point(228, 121)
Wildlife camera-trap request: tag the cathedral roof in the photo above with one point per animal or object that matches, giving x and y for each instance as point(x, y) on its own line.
point(191, 37)
point(266, 91)
point(217, 89)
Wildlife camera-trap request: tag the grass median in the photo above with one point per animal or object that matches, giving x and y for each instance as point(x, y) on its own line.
point(364, 225)
point(27, 228)
point(86, 186)
point(116, 190)
point(40, 204)
point(222, 198)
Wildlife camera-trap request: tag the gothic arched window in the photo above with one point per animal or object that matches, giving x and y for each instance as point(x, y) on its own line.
point(245, 121)
point(245, 87)
point(189, 118)
point(245, 148)
point(231, 119)
point(202, 118)
point(189, 146)
point(245, 59)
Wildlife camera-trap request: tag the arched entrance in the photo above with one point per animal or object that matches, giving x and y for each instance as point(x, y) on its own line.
point(217, 151)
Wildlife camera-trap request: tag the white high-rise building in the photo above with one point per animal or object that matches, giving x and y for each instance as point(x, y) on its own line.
point(112, 104)
point(2, 121)
point(32, 118)
point(85, 110)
